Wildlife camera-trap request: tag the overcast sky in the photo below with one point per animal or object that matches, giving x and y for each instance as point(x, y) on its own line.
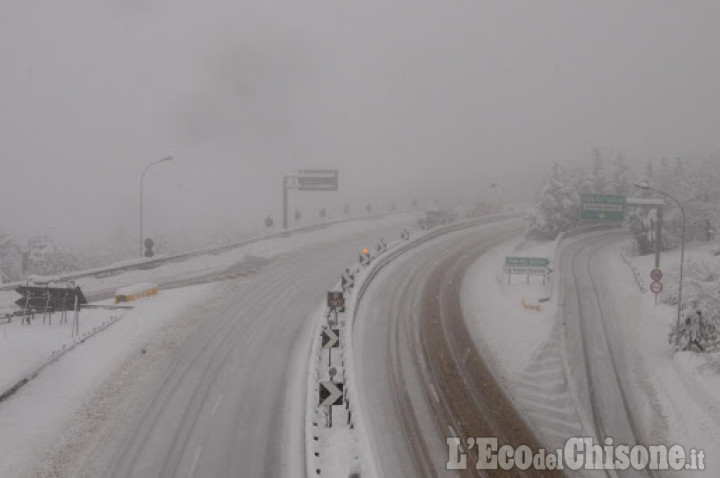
point(406, 98)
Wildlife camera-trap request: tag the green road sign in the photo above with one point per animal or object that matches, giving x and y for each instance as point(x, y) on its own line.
point(526, 265)
point(602, 207)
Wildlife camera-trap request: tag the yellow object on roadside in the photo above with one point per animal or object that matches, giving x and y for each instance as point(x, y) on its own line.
point(134, 292)
point(531, 307)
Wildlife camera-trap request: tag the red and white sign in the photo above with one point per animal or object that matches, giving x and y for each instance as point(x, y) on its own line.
point(656, 287)
point(656, 275)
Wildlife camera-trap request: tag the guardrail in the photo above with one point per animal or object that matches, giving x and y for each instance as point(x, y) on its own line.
point(152, 263)
point(55, 355)
point(355, 413)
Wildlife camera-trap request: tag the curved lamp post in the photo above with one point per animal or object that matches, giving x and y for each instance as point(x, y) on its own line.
point(142, 178)
point(682, 243)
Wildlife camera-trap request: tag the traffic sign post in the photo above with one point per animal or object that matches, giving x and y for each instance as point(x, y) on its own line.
point(335, 299)
point(309, 180)
point(602, 207)
point(330, 339)
point(365, 259)
point(335, 303)
point(149, 243)
point(527, 266)
point(331, 394)
point(656, 287)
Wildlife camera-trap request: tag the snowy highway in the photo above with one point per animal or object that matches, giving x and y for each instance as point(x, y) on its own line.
point(420, 377)
point(229, 400)
point(605, 386)
point(358, 240)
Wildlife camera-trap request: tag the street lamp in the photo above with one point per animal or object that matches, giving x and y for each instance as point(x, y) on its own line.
point(142, 178)
point(645, 187)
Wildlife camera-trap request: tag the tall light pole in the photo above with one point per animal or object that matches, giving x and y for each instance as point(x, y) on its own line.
point(682, 244)
point(142, 179)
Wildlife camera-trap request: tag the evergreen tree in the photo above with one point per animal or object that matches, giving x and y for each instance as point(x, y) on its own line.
point(598, 181)
point(557, 210)
point(10, 259)
point(648, 177)
point(619, 177)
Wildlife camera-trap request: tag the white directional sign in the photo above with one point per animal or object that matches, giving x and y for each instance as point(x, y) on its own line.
point(318, 180)
point(331, 393)
point(527, 265)
point(330, 338)
point(602, 207)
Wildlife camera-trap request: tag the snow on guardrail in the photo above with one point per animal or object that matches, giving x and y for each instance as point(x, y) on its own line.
point(345, 447)
point(144, 263)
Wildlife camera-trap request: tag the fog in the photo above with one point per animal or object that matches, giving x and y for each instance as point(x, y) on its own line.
point(408, 99)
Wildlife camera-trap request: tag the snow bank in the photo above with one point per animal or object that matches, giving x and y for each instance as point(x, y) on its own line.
point(24, 348)
point(39, 411)
point(494, 310)
point(683, 387)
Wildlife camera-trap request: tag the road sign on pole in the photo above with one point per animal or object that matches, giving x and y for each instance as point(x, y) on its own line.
point(656, 275)
point(335, 299)
point(330, 338)
point(148, 247)
point(308, 180)
point(318, 180)
point(365, 258)
point(527, 265)
point(656, 287)
point(602, 207)
point(331, 393)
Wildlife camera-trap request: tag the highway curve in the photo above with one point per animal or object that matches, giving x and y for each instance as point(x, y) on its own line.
point(420, 376)
point(606, 389)
point(227, 402)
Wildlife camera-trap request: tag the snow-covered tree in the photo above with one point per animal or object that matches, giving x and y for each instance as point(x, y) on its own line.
point(557, 210)
point(619, 177)
point(648, 173)
point(696, 332)
point(700, 321)
point(11, 268)
point(44, 257)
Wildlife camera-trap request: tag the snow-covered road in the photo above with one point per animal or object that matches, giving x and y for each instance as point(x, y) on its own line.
point(606, 387)
point(224, 408)
point(225, 396)
point(416, 391)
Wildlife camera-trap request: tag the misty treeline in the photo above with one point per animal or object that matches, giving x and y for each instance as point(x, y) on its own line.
point(40, 255)
point(559, 205)
point(36, 256)
point(43, 256)
point(695, 183)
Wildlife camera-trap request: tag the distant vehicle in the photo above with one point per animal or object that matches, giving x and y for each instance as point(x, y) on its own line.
point(437, 217)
